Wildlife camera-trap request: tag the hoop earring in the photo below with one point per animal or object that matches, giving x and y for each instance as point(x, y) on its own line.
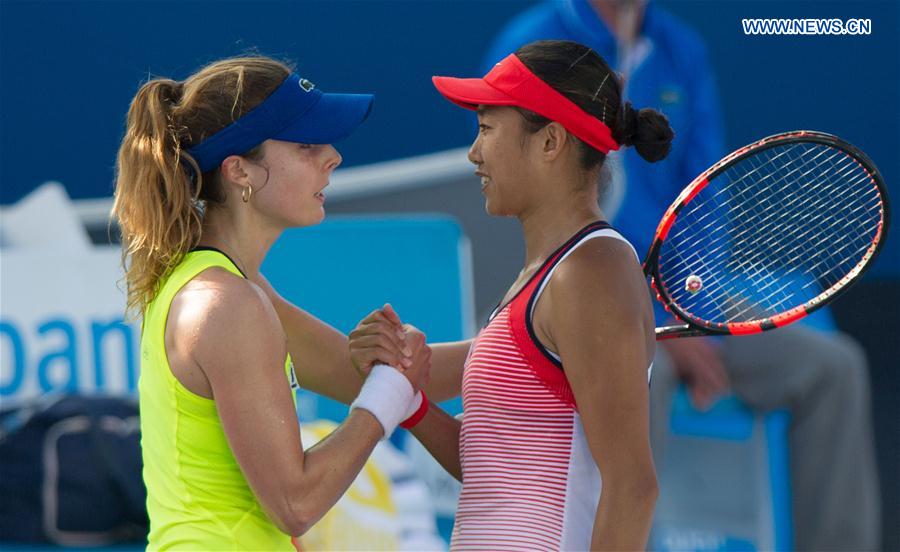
point(247, 193)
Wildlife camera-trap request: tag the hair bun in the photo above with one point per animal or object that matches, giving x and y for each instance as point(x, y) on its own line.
point(648, 131)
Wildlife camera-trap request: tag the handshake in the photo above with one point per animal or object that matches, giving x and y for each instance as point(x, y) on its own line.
point(395, 361)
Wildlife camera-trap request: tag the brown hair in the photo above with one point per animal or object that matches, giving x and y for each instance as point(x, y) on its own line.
point(160, 194)
point(582, 76)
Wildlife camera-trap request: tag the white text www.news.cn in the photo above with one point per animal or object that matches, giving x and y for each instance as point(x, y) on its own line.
point(807, 26)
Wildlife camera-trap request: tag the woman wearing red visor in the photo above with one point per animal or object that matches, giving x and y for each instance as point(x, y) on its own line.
point(553, 451)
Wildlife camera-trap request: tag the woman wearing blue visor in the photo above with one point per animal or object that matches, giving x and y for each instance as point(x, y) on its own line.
point(211, 170)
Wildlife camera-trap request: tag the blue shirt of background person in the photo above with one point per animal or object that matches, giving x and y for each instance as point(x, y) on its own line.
point(667, 68)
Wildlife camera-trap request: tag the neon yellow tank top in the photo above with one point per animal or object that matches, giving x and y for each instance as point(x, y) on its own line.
point(197, 497)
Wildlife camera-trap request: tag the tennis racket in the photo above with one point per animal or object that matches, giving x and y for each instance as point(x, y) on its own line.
point(767, 235)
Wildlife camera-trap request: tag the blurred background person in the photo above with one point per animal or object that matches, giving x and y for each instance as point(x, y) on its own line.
point(817, 373)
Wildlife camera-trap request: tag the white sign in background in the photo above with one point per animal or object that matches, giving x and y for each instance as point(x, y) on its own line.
point(62, 324)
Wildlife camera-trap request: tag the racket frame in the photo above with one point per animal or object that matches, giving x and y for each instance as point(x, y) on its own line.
point(692, 326)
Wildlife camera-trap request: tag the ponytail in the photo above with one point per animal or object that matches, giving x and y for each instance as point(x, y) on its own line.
point(155, 199)
point(160, 193)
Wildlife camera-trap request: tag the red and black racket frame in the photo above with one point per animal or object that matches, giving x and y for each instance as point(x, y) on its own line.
point(694, 326)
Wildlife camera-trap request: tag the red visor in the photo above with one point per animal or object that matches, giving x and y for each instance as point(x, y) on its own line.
point(511, 83)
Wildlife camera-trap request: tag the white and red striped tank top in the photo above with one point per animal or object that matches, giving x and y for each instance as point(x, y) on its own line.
point(529, 480)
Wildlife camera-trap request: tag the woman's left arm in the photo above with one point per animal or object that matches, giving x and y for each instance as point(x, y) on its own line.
point(601, 323)
point(320, 353)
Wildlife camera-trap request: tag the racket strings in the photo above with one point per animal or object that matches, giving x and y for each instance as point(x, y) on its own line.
point(831, 246)
point(802, 228)
point(763, 229)
point(710, 217)
point(770, 233)
point(713, 216)
point(782, 288)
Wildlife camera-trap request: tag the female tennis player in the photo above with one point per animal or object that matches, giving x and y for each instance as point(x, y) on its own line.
point(211, 170)
point(554, 388)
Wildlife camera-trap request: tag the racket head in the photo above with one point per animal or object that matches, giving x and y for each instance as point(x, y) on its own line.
point(769, 234)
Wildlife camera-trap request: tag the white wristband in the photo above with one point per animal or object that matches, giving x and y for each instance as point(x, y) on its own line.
point(387, 394)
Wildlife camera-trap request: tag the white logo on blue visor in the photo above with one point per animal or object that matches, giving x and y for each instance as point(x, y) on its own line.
point(306, 85)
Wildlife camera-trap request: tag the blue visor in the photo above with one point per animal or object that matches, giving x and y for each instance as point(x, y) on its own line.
point(295, 112)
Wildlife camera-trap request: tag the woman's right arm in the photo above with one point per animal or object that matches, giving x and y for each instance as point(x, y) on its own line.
point(439, 434)
point(244, 364)
point(437, 430)
point(374, 341)
point(447, 362)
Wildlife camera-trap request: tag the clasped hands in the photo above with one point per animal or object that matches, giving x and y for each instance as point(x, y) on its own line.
point(382, 338)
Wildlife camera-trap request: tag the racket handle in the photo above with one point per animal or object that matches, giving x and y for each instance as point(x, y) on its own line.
point(673, 332)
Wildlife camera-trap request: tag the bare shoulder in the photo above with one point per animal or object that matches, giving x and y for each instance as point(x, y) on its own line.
point(599, 264)
point(216, 307)
point(599, 285)
point(599, 313)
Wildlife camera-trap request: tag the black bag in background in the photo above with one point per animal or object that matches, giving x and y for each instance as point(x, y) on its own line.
point(70, 472)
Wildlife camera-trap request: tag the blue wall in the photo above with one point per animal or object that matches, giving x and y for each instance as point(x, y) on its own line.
point(69, 70)
point(844, 85)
